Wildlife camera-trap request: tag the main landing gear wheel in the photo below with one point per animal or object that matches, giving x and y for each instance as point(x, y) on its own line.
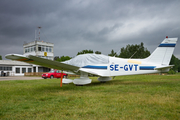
point(83, 80)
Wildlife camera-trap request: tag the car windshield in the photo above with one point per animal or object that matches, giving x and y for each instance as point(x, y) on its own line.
point(52, 71)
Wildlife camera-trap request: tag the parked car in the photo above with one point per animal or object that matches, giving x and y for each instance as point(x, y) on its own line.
point(53, 74)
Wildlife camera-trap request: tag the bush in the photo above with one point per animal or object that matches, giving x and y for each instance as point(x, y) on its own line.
point(171, 72)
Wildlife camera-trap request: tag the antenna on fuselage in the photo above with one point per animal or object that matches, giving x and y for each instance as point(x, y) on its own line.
point(133, 54)
point(116, 53)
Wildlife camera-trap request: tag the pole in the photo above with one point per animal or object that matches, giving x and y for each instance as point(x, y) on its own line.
point(61, 78)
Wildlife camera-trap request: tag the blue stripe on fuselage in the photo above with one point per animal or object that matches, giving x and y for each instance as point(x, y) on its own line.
point(147, 67)
point(167, 45)
point(95, 67)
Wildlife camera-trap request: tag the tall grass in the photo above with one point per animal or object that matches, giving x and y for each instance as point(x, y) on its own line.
point(125, 97)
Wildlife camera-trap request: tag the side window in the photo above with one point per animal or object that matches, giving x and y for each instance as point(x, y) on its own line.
point(57, 71)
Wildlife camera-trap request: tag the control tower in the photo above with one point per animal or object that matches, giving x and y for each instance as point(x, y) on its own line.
point(39, 48)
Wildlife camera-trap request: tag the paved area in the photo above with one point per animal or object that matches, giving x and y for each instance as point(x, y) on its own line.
point(19, 78)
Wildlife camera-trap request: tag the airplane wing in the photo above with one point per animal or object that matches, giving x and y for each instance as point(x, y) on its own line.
point(43, 62)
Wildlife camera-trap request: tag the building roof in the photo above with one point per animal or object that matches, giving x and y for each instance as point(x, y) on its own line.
point(14, 63)
point(38, 43)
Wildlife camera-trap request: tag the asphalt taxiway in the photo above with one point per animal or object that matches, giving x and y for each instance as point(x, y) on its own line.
point(19, 78)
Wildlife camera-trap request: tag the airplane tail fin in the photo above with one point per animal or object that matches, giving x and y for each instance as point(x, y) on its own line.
point(163, 53)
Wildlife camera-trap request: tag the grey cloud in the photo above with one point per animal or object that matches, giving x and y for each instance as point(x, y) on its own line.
point(98, 25)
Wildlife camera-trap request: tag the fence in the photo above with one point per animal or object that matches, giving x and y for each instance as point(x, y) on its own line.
point(33, 74)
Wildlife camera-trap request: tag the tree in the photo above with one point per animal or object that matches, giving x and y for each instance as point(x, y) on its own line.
point(97, 52)
point(56, 57)
point(85, 52)
point(112, 53)
point(176, 62)
point(0, 57)
point(62, 58)
point(138, 51)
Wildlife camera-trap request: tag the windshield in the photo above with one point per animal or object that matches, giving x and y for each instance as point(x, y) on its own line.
point(52, 71)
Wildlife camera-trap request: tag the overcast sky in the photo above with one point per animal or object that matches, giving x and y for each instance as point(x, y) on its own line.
point(99, 25)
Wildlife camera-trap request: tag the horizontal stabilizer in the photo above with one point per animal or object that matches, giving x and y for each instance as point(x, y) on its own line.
point(164, 67)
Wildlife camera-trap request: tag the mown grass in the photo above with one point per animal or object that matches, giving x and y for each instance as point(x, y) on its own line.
point(125, 97)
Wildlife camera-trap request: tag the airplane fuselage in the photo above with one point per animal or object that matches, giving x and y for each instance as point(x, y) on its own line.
point(120, 66)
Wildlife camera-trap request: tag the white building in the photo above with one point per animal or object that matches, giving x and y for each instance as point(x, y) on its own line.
point(14, 68)
point(17, 68)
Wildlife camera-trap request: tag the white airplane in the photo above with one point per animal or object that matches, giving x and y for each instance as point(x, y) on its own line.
point(107, 67)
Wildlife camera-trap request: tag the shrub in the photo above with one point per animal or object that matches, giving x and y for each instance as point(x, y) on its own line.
point(171, 72)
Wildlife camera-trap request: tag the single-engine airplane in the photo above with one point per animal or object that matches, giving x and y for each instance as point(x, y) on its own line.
point(107, 67)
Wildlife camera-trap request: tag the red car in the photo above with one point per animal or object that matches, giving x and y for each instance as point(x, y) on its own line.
point(53, 74)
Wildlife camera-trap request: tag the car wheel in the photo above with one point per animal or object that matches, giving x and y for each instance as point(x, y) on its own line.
point(52, 77)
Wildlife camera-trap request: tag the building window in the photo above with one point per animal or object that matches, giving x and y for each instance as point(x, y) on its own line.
point(46, 48)
point(39, 48)
point(50, 49)
point(6, 68)
point(17, 70)
point(31, 49)
point(9, 68)
point(23, 70)
point(34, 48)
point(29, 70)
point(43, 49)
point(26, 50)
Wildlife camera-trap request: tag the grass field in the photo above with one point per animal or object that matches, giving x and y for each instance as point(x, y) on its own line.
point(125, 97)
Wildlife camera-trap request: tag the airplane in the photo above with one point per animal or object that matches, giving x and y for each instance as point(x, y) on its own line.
point(107, 67)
